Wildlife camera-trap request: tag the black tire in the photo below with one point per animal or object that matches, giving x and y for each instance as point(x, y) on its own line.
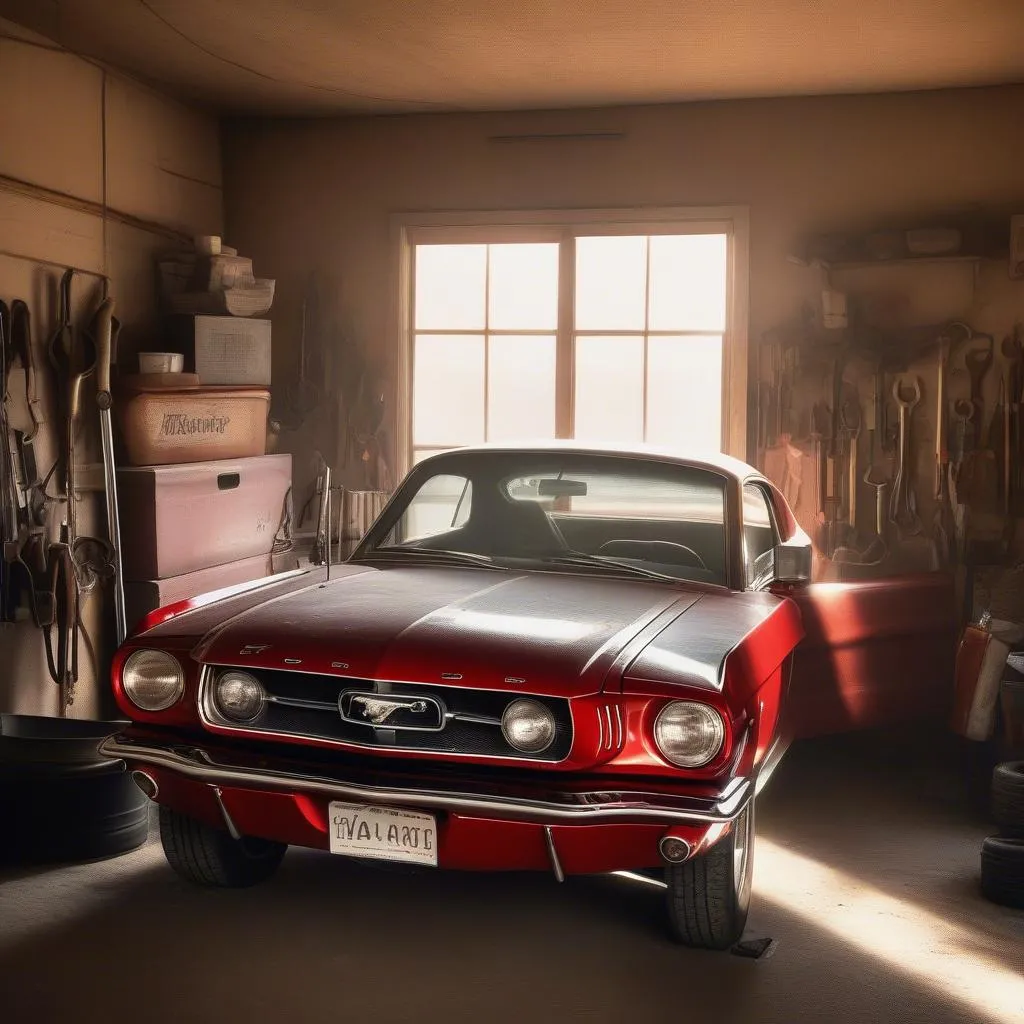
point(1008, 797)
point(54, 813)
point(210, 857)
point(708, 896)
point(60, 799)
point(1002, 871)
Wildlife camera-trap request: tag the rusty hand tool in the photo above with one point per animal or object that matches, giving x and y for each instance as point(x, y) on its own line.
point(819, 431)
point(1009, 523)
point(873, 422)
point(941, 447)
point(105, 328)
point(978, 361)
point(851, 420)
point(963, 413)
point(1013, 350)
point(903, 502)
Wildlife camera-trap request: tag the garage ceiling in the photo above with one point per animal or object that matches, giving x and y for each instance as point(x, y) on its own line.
point(339, 56)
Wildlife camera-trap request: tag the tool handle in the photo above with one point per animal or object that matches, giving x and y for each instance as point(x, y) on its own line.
point(104, 335)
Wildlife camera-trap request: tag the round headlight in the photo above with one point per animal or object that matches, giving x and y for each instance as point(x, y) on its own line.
point(689, 734)
point(152, 680)
point(528, 726)
point(239, 696)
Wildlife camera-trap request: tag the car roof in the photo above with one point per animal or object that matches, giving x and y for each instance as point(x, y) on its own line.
point(717, 461)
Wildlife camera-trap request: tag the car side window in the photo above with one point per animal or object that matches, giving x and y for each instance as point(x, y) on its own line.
point(441, 504)
point(758, 536)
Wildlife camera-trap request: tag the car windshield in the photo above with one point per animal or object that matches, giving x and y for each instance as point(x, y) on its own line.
point(571, 512)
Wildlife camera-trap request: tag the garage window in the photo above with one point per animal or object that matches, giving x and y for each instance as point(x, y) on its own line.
point(605, 332)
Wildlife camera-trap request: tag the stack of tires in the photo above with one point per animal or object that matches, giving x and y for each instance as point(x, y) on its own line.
point(1002, 855)
point(60, 799)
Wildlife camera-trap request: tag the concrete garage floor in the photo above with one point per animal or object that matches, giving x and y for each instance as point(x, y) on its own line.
point(866, 876)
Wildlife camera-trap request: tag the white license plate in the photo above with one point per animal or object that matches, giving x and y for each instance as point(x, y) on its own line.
point(383, 833)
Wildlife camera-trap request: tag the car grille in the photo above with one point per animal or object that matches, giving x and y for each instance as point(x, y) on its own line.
point(304, 705)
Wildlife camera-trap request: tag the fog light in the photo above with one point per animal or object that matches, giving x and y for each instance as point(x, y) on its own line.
point(674, 849)
point(528, 726)
point(239, 696)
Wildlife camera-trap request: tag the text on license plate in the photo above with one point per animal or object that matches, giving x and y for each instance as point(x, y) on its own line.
point(383, 833)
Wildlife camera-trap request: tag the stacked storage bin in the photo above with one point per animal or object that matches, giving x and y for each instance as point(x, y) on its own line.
point(203, 506)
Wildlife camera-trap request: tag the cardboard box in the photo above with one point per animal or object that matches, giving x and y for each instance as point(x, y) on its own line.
point(231, 350)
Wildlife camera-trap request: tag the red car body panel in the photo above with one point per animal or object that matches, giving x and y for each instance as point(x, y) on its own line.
point(792, 660)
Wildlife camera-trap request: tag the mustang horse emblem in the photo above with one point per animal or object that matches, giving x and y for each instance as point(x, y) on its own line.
point(378, 710)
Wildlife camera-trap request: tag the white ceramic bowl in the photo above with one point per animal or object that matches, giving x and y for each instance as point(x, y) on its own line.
point(161, 362)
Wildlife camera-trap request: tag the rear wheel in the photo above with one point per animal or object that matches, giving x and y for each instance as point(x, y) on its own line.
point(209, 856)
point(708, 896)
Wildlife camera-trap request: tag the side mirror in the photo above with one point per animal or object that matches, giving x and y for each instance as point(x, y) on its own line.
point(793, 563)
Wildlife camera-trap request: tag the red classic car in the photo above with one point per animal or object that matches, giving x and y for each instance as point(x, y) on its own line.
point(549, 657)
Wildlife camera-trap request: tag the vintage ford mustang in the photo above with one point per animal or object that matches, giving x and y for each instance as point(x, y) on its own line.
point(550, 657)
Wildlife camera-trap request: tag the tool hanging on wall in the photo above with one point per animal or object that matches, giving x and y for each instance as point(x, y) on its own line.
point(977, 361)
point(962, 433)
point(105, 328)
point(873, 423)
point(943, 525)
point(24, 496)
point(9, 507)
point(1013, 350)
point(903, 500)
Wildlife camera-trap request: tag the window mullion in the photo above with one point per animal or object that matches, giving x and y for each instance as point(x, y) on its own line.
point(487, 344)
point(564, 340)
point(647, 325)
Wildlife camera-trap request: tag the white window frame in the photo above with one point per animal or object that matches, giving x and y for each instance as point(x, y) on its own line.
point(467, 227)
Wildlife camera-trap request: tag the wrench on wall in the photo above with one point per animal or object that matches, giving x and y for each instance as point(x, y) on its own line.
point(903, 501)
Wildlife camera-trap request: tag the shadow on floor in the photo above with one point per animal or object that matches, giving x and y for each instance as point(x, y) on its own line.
point(335, 940)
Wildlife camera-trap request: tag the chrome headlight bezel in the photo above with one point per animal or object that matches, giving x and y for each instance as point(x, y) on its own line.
point(136, 663)
point(239, 677)
point(544, 716)
point(699, 757)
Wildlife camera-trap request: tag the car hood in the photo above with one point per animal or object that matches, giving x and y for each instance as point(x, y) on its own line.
point(539, 632)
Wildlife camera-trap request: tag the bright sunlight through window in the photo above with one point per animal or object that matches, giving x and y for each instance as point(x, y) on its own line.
point(621, 343)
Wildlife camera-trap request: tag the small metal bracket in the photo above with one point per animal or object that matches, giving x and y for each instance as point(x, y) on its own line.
point(556, 865)
point(228, 822)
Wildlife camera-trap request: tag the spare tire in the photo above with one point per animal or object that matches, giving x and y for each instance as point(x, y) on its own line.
point(1008, 797)
point(1002, 871)
point(61, 800)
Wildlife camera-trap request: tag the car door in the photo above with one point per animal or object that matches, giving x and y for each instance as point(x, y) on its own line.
point(876, 652)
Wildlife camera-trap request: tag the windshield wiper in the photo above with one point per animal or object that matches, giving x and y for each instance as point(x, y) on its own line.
point(604, 562)
point(441, 554)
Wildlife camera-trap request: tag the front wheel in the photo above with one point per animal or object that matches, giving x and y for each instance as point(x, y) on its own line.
point(209, 856)
point(708, 896)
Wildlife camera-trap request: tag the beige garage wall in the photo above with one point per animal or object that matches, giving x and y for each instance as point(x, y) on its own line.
point(65, 123)
point(317, 196)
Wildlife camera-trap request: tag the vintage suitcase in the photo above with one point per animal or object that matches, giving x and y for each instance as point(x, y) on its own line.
point(180, 519)
point(224, 349)
point(162, 426)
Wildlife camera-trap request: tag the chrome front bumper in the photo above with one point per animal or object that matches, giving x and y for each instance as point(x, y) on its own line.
point(590, 807)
